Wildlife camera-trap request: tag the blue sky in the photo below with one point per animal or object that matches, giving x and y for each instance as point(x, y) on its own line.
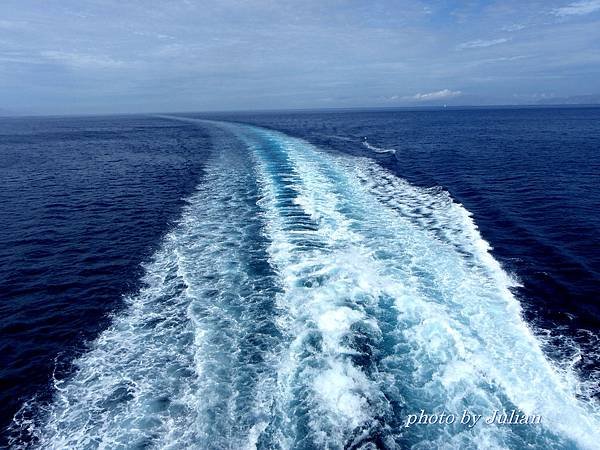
point(101, 56)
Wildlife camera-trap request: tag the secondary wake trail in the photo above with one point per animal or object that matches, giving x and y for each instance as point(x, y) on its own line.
point(312, 300)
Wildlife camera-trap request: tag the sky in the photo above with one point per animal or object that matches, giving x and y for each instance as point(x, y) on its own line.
point(116, 56)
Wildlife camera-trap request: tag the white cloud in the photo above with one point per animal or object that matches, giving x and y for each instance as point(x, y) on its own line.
point(578, 8)
point(436, 95)
point(480, 43)
point(12, 25)
point(513, 27)
point(159, 36)
point(83, 61)
point(18, 57)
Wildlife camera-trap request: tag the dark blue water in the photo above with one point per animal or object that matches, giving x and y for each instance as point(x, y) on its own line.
point(85, 201)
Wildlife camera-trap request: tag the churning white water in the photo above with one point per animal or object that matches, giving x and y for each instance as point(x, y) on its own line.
point(312, 300)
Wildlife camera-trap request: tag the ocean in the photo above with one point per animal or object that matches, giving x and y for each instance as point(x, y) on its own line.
point(305, 280)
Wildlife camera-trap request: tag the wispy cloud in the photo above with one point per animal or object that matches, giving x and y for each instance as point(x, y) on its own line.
point(578, 8)
point(481, 43)
point(436, 95)
point(159, 36)
point(82, 61)
point(266, 54)
point(513, 27)
point(12, 25)
point(19, 57)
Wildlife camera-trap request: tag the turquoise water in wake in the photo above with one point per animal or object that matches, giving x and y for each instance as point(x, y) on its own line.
point(309, 299)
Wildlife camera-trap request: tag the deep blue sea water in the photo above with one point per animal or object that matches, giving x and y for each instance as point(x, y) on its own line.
point(300, 280)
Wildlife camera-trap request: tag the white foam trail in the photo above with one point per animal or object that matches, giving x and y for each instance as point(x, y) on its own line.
point(461, 342)
point(188, 361)
point(378, 149)
point(481, 326)
point(379, 299)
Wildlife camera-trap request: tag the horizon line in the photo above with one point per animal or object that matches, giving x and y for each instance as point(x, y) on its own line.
point(316, 109)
